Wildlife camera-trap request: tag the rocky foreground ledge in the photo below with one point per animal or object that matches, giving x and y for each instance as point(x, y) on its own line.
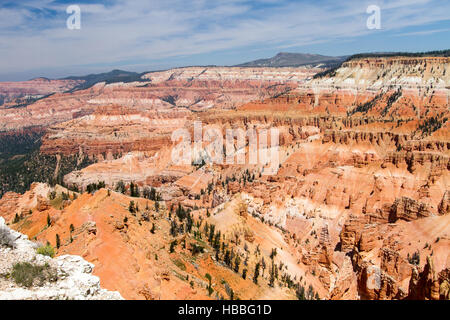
point(66, 277)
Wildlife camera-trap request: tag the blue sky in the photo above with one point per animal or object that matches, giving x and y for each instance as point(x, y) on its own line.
point(156, 34)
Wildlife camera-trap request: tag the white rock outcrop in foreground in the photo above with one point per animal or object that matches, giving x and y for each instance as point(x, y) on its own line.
point(74, 281)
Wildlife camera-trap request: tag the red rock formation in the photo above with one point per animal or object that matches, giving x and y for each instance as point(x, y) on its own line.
point(424, 285)
point(444, 205)
point(351, 232)
point(408, 209)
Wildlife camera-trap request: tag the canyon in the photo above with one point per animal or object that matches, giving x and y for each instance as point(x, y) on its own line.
point(196, 88)
point(358, 207)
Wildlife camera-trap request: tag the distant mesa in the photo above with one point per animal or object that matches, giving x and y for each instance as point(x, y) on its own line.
point(286, 59)
point(43, 79)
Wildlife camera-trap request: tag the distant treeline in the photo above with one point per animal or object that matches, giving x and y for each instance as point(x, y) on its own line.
point(332, 71)
point(107, 77)
point(20, 142)
point(438, 53)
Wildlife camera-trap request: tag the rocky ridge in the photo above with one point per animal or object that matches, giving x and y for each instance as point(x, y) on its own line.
point(73, 278)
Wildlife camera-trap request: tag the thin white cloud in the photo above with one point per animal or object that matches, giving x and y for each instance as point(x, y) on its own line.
point(421, 33)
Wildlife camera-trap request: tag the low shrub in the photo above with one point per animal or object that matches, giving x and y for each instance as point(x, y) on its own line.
point(46, 250)
point(27, 274)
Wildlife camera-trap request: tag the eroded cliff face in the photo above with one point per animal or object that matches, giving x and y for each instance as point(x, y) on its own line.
point(365, 89)
point(389, 87)
point(196, 88)
point(298, 74)
point(15, 94)
point(358, 208)
point(114, 130)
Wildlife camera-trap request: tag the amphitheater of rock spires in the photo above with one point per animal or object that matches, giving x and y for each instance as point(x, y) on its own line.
point(358, 209)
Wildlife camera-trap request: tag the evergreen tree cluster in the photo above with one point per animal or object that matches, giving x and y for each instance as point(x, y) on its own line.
point(92, 187)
